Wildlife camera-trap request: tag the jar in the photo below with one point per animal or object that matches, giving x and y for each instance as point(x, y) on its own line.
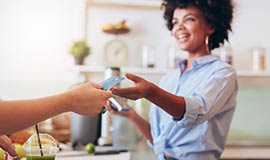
point(226, 55)
point(111, 71)
point(148, 57)
point(258, 59)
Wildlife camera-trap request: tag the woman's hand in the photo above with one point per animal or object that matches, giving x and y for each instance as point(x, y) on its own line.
point(88, 99)
point(6, 145)
point(128, 114)
point(142, 88)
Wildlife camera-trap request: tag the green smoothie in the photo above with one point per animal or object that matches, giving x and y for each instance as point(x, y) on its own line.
point(46, 157)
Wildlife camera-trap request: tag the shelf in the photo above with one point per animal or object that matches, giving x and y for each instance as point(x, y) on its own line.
point(157, 71)
point(153, 71)
point(253, 74)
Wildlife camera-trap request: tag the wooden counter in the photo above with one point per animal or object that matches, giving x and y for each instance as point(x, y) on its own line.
point(82, 155)
point(230, 153)
point(245, 152)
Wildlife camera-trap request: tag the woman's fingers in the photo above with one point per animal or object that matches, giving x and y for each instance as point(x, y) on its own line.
point(95, 85)
point(133, 77)
point(124, 91)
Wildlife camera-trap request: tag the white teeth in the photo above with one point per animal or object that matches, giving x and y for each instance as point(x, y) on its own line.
point(182, 36)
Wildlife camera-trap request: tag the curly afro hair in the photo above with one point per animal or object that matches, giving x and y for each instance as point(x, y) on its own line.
point(218, 13)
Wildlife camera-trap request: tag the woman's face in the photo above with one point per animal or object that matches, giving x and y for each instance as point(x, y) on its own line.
point(190, 30)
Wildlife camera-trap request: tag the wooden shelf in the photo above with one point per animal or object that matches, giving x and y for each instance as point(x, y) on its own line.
point(92, 69)
point(253, 74)
point(157, 71)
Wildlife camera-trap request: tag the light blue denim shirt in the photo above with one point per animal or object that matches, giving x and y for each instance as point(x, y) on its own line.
point(209, 89)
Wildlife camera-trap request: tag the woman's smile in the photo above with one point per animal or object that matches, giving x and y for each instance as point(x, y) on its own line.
point(182, 37)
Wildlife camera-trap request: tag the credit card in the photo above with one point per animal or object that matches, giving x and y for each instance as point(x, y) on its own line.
point(110, 82)
point(117, 106)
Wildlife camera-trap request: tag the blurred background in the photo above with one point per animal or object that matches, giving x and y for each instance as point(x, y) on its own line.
point(36, 36)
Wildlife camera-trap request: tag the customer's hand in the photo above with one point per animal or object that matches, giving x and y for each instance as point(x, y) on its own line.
point(128, 114)
point(141, 89)
point(7, 146)
point(88, 99)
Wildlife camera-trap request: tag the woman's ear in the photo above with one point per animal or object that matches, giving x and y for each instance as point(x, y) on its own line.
point(211, 29)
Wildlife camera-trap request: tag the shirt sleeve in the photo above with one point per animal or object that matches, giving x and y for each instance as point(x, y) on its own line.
point(209, 98)
point(149, 144)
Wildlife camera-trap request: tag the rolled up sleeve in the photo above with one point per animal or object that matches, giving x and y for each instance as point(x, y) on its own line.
point(207, 100)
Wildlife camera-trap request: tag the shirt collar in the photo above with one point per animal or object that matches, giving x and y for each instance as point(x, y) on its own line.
point(204, 60)
point(182, 64)
point(198, 61)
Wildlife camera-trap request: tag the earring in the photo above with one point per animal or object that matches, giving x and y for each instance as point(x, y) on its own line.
point(207, 44)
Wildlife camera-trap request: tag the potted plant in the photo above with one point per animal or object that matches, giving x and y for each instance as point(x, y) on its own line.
point(79, 50)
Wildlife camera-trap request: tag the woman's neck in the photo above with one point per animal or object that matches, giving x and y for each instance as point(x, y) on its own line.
point(193, 56)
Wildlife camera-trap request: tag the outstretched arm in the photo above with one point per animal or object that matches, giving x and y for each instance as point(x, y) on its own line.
point(86, 99)
point(174, 105)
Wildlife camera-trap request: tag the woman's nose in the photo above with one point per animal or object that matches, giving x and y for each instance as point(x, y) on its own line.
point(179, 26)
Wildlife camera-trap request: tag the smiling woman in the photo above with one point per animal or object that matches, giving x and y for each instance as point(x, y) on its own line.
point(190, 29)
point(192, 107)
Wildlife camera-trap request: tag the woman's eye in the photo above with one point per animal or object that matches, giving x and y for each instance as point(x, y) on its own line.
point(174, 23)
point(190, 19)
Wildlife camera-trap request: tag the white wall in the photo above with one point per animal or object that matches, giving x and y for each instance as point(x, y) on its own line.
point(250, 29)
point(35, 36)
point(147, 28)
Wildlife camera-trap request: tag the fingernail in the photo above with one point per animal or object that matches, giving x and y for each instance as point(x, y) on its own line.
point(103, 110)
point(5, 156)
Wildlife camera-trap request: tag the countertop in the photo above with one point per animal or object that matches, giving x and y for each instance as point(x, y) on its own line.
point(82, 155)
point(230, 153)
point(142, 152)
point(246, 152)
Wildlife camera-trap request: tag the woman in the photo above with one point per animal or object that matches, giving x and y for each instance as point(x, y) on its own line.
point(193, 105)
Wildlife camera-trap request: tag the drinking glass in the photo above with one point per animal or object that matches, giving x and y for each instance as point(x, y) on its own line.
point(45, 150)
